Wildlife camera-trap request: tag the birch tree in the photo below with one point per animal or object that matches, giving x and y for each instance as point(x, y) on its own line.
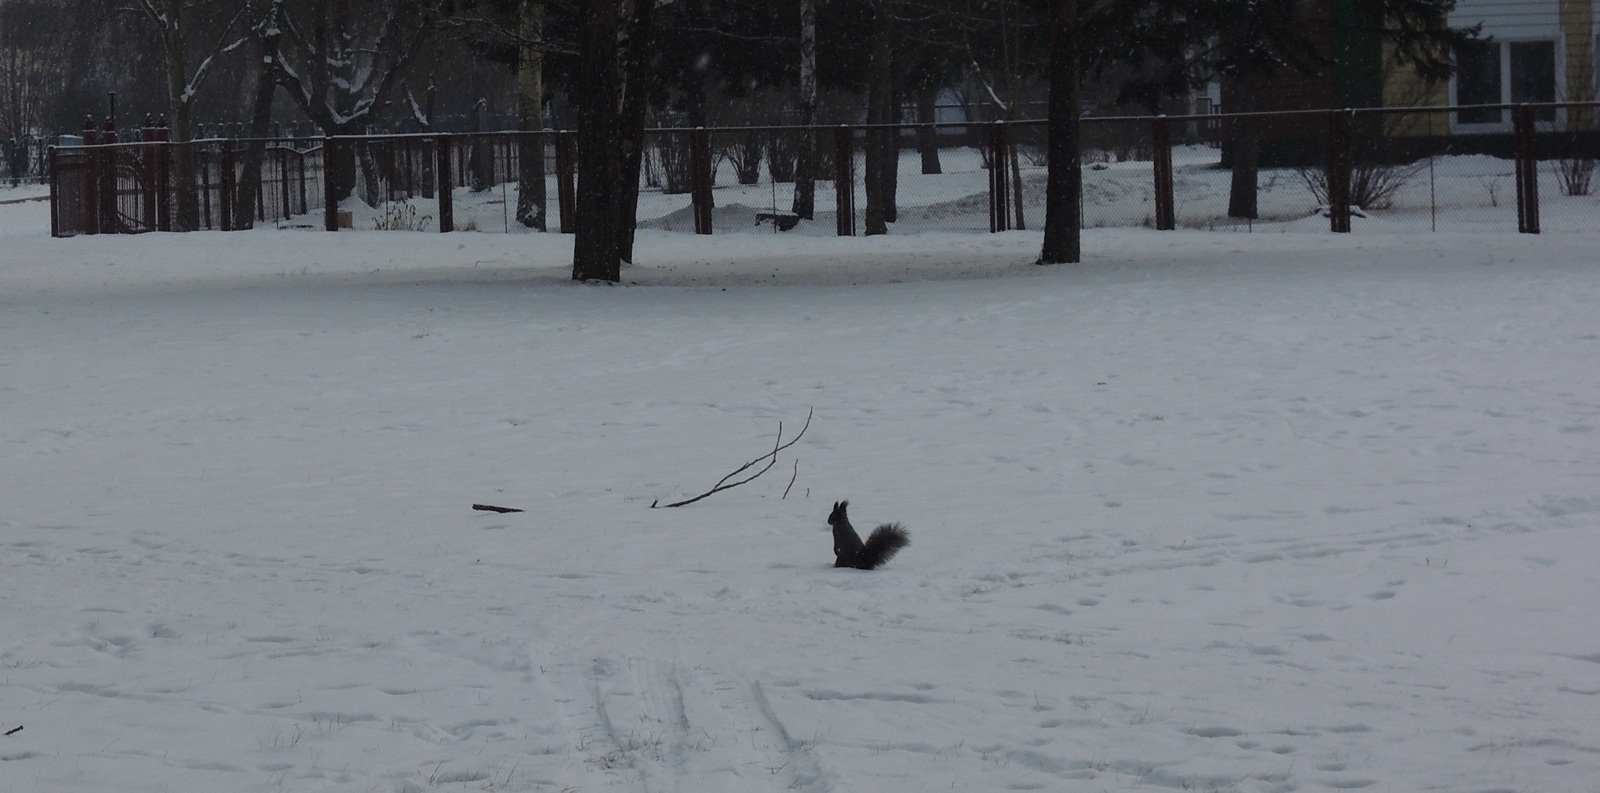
point(805, 170)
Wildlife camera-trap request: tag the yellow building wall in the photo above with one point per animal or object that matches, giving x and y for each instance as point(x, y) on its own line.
point(1402, 87)
point(1577, 30)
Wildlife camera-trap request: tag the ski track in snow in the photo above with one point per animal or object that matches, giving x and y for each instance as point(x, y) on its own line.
point(1316, 518)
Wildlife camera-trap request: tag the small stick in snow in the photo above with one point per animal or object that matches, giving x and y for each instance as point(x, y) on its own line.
point(14, 730)
point(792, 477)
point(493, 508)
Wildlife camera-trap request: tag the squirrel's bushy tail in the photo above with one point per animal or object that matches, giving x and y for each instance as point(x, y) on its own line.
point(885, 542)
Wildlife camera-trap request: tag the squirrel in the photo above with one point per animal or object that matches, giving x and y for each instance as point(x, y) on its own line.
point(850, 551)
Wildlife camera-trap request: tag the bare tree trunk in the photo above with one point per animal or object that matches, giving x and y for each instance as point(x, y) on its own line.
point(880, 110)
point(244, 205)
point(530, 116)
point(168, 15)
point(1063, 219)
point(805, 170)
point(596, 245)
point(1246, 150)
point(341, 161)
point(635, 64)
point(927, 136)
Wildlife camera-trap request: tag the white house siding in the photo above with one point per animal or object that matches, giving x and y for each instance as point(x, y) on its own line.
point(1511, 20)
point(1569, 25)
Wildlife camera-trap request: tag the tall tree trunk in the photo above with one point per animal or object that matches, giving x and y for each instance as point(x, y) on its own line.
point(805, 169)
point(635, 67)
point(340, 162)
point(530, 116)
point(1246, 150)
point(180, 115)
point(1063, 219)
point(597, 243)
point(244, 205)
point(927, 136)
point(880, 110)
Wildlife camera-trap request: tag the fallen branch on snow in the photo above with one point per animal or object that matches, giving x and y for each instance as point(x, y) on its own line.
point(771, 459)
point(493, 508)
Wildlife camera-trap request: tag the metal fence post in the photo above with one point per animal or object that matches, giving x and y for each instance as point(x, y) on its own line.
point(149, 191)
point(54, 175)
point(163, 154)
point(844, 180)
point(108, 179)
point(162, 134)
point(304, 198)
point(1339, 171)
point(189, 154)
point(700, 179)
point(226, 219)
point(999, 184)
point(91, 178)
point(447, 185)
point(1161, 150)
point(1527, 170)
point(330, 192)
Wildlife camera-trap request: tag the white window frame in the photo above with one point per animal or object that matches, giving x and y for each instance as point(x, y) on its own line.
point(1504, 124)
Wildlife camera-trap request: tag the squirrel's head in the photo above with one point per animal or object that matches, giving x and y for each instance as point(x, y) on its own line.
point(837, 516)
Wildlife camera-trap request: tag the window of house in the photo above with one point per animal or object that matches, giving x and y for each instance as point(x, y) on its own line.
point(1533, 75)
point(1478, 82)
point(1489, 73)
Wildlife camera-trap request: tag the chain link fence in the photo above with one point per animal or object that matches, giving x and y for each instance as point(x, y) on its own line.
point(1522, 168)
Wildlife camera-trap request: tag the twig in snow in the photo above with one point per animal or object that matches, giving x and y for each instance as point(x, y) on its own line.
point(493, 508)
point(14, 730)
point(792, 477)
point(771, 458)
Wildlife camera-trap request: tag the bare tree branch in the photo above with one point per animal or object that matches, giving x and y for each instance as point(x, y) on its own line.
point(792, 477)
point(770, 458)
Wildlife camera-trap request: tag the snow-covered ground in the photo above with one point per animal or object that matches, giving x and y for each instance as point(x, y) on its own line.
point(1285, 512)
